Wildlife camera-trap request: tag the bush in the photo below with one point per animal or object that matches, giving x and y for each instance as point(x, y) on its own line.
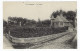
point(35, 32)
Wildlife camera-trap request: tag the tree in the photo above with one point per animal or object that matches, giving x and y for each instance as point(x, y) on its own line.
point(71, 16)
point(4, 23)
point(12, 20)
point(58, 12)
point(46, 22)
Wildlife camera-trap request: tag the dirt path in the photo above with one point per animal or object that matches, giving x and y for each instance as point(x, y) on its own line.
point(60, 43)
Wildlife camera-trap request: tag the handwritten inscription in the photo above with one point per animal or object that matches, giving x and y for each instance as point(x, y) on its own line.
point(33, 4)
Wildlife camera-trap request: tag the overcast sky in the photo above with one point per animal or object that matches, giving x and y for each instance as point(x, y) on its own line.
point(35, 10)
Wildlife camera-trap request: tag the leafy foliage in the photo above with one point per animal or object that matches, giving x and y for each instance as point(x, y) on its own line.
point(70, 15)
point(4, 23)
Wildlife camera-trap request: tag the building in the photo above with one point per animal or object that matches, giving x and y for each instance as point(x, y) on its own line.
point(61, 21)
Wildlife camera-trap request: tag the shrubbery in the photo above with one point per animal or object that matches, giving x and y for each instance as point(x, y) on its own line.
point(35, 32)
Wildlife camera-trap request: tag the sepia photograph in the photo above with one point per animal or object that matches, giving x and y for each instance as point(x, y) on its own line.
point(40, 25)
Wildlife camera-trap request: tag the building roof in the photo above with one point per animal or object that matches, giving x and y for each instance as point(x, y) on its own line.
point(60, 18)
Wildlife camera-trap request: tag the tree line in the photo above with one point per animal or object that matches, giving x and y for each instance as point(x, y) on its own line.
point(19, 21)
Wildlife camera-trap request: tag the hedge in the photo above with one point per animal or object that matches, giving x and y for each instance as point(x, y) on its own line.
point(35, 32)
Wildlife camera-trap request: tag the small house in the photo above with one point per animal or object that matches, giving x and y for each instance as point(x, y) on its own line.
point(60, 21)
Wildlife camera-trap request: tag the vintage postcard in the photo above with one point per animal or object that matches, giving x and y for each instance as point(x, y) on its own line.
point(40, 25)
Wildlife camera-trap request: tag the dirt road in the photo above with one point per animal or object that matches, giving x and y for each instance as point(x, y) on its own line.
point(60, 43)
